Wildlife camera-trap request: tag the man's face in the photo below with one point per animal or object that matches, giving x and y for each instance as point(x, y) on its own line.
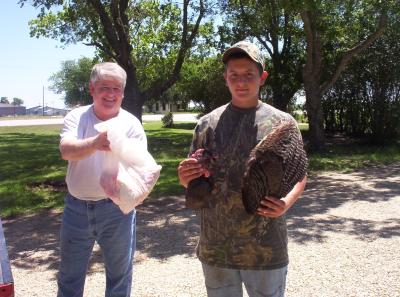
point(107, 97)
point(243, 79)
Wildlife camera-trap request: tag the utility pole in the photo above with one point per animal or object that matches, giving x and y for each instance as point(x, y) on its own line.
point(43, 103)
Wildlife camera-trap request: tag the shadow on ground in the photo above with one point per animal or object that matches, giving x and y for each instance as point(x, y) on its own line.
point(32, 240)
point(165, 228)
point(329, 191)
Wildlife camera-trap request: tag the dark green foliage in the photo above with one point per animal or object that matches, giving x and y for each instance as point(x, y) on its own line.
point(366, 101)
point(149, 39)
point(17, 101)
point(73, 81)
point(203, 82)
point(4, 100)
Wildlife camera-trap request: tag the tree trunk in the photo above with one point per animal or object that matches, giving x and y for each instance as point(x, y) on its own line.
point(279, 99)
point(279, 102)
point(133, 100)
point(315, 115)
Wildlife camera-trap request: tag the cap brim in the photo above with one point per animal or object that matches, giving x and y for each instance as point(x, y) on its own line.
point(231, 51)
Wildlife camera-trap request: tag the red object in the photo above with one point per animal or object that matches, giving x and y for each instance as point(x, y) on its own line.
point(6, 279)
point(7, 290)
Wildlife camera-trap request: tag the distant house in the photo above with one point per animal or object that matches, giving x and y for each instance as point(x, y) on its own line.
point(11, 110)
point(47, 110)
point(164, 107)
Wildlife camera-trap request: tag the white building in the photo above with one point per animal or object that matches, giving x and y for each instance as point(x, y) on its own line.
point(47, 110)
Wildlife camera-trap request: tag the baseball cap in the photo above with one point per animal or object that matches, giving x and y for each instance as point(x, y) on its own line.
point(248, 48)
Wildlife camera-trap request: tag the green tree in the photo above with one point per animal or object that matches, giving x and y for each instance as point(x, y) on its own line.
point(329, 29)
point(202, 82)
point(128, 32)
point(4, 100)
point(365, 102)
point(17, 101)
point(73, 81)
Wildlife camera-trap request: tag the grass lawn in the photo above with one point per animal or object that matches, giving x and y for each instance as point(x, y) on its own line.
point(168, 146)
point(29, 158)
point(32, 172)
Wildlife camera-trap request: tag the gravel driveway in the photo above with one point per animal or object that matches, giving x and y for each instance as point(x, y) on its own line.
point(344, 240)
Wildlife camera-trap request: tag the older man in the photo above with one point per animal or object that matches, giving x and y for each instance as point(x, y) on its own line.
point(89, 215)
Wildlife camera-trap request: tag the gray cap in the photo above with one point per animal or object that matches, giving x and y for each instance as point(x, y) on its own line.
point(248, 48)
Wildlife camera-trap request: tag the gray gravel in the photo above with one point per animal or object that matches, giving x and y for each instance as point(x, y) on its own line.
point(344, 241)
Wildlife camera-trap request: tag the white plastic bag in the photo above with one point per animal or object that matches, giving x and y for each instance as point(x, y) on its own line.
point(129, 171)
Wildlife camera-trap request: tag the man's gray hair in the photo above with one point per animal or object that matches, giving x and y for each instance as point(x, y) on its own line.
point(108, 70)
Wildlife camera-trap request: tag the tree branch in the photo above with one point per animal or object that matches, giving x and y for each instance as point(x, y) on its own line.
point(104, 49)
point(305, 16)
point(107, 25)
point(121, 29)
point(186, 43)
point(348, 55)
point(264, 43)
point(287, 38)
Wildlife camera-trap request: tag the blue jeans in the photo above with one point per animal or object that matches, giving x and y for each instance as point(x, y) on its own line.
point(223, 282)
point(83, 223)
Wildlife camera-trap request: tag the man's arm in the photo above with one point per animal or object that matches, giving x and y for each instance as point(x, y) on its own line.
point(73, 149)
point(274, 207)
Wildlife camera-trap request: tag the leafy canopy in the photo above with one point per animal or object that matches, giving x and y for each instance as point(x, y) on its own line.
point(73, 81)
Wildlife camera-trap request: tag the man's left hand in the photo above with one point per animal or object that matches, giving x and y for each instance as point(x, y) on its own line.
point(272, 207)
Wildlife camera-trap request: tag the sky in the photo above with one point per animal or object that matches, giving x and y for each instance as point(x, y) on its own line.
point(26, 63)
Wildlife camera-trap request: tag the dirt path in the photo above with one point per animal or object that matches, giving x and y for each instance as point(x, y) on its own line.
point(344, 239)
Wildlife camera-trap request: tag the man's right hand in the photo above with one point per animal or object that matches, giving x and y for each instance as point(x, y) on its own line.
point(77, 149)
point(100, 142)
point(190, 169)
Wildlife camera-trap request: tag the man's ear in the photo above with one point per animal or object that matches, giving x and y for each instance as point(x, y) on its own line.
point(225, 78)
point(91, 88)
point(264, 76)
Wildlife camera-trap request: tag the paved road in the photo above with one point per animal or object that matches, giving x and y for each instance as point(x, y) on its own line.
point(179, 117)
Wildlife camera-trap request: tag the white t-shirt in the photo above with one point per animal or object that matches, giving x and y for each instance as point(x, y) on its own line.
point(83, 176)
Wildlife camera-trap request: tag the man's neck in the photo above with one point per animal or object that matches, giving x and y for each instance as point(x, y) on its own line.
point(246, 104)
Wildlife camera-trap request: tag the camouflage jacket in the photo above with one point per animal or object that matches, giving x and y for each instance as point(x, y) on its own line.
point(229, 236)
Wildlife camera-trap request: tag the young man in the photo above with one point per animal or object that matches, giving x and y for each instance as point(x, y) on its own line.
point(89, 215)
point(235, 247)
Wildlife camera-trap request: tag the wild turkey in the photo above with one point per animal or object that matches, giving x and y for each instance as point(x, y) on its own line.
point(199, 189)
point(274, 166)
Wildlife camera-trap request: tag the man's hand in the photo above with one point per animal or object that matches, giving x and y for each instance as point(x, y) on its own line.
point(77, 149)
point(100, 142)
point(190, 169)
point(272, 207)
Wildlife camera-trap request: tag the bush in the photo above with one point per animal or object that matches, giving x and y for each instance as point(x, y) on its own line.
point(168, 120)
point(300, 116)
